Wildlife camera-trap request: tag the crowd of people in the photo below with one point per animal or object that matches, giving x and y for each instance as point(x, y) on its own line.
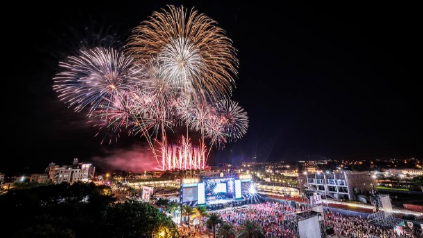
point(271, 216)
point(191, 232)
point(358, 227)
point(276, 220)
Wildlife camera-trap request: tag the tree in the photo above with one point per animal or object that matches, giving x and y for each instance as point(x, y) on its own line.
point(44, 231)
point(418, 181)
point(226, 230)
point(250, 229)
point(79, 210)
point(53, 209)
point(30, 185)
point(188, 211)
point(131, 191)
point(200, 213)
point(162, 202)
point(134, 219)
point(213, 220)
point(172, 207)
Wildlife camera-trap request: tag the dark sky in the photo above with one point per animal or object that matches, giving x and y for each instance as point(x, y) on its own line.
point(334, 81)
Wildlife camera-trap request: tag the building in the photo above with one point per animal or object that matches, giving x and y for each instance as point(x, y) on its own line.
point(87, 172)
point(51, 170)
point(277, 190)
point(39, 178)
point(410, 172)
point(139, 183)
point(397, 178)
point(67, 174)
point(1, 178)
point(20, 179)
point(339, 184)
point(70, 174)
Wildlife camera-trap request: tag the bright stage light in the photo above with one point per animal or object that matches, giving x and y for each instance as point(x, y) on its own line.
point(252, 189)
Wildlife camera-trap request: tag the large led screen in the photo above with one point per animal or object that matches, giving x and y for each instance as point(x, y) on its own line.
point(237, 188)
point(220, 188)
point(201, 193)
point(189, 194)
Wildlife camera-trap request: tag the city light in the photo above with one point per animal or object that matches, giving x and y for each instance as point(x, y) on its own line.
point(190, 181)
point(245, 176)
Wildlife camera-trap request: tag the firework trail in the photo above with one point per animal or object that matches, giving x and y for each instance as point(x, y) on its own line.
point(183, 156)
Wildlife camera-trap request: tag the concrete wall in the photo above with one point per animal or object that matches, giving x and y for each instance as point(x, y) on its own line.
point(309, 228)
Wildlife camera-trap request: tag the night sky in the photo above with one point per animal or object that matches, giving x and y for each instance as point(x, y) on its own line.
point(317, 81)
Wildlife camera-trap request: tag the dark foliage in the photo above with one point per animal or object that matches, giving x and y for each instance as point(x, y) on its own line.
point(78, 210)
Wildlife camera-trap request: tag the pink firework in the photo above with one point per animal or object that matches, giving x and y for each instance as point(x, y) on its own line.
point(183, 156)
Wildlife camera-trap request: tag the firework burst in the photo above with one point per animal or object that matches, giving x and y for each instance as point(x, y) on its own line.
point(193, 53)
point(233, 119)
point(95, 78)
point(179, 73)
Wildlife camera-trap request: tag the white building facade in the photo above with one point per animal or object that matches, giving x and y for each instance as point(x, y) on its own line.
point(39, 178)
point(339, 185)
point(78, 172)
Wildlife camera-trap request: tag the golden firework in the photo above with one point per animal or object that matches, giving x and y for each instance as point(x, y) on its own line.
point(193, 52)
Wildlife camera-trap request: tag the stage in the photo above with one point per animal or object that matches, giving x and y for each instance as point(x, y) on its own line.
point(217, 192)
point(224, 201)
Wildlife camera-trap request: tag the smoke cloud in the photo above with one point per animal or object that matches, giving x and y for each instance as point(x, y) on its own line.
point(137, 158)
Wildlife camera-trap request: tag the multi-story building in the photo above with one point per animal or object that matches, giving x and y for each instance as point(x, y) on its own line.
point(87, 172)
point(1, 177)
point(51, 170)
point(39, 178)
point(70, 174)
point(339, 184)
point(67, 175)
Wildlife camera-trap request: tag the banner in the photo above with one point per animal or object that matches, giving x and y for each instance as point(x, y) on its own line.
point(146, 193)
point(316, 199)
